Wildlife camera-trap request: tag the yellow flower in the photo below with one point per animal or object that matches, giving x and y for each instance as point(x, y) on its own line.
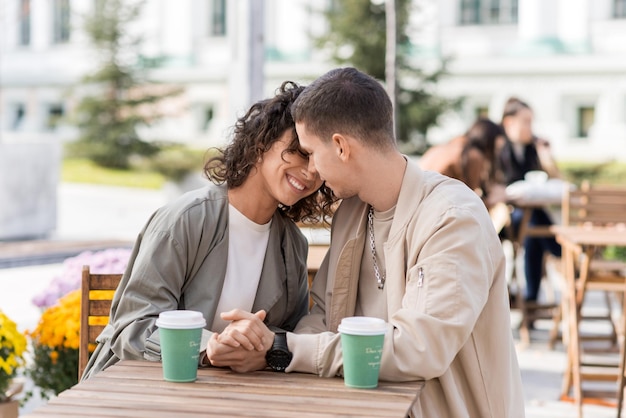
point(55, 346)
point(59, 325)
point(12, 348)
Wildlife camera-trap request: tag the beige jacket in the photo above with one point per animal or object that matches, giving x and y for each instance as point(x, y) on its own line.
point(446, 296)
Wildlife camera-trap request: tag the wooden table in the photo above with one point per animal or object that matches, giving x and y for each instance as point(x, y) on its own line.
point(578, 244)
point(137, 389)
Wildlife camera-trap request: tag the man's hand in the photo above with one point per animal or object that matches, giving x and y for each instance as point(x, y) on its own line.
point(246, 330)
point(243, 343)
point(238, 359)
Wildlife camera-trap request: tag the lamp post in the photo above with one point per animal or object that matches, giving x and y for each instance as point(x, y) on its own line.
point(390, 55)
point(257, 49)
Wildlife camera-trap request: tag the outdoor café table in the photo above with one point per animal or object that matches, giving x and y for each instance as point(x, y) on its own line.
point(577, 242)
point(137, 389)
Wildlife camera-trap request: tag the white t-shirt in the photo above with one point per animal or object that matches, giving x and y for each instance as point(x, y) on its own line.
point(247, 244)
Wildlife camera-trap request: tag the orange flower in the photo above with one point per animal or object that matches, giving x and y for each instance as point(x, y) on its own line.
point(60, 324)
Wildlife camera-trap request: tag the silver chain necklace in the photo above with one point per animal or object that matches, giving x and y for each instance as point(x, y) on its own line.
point(379, 278)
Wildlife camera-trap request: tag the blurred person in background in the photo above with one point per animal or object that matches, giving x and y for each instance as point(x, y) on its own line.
point(471, 158)
point(523, 152)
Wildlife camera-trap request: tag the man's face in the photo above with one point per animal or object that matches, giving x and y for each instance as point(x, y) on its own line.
point(324, 158)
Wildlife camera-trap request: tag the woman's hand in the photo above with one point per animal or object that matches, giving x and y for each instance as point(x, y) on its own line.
point(238, 359)
point(243, 343)
point(246, 330)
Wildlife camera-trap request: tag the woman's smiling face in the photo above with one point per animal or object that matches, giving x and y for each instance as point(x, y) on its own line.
point(286, 175)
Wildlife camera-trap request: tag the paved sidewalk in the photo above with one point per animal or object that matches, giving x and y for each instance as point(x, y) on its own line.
point(92, 217)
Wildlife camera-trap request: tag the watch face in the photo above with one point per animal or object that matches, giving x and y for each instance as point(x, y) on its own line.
point(278, 359)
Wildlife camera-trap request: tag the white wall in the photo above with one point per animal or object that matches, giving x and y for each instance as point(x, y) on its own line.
point(29, 174)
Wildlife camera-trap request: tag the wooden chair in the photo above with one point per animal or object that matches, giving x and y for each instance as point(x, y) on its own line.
point(541, 310)
point(96, 296)
point(597, 206)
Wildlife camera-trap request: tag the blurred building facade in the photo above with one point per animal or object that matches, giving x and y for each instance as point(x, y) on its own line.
point(202, 45)
point(566, 58)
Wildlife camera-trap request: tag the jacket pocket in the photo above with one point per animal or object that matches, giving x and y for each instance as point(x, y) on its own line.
point(414, 295)
point(434, 290)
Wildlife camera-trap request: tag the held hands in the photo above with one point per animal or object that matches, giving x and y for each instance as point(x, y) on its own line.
point(243, 343)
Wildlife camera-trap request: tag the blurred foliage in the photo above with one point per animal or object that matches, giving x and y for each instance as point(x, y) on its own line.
point(82, 170)
point(117, 97)
point(174, 162)
point(171, 162)
point(615, 253)
point(357, 37)
point(606, 173)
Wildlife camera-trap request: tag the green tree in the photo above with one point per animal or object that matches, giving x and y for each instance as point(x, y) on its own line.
point(357, 37)
point(117, 97)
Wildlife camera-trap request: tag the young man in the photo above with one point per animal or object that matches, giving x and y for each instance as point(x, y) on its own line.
point(415, 248)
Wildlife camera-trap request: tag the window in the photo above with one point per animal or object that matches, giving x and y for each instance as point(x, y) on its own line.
point(205, 117)
point(488, 12)
point(61, 21)
point(18, 111)
point(24, 23)
point(218, 18)
point(586, 116)
point(619, 8)
point(55, 113)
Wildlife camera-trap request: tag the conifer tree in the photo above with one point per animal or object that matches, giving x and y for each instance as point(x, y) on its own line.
point(357, 37)
point(117, 98)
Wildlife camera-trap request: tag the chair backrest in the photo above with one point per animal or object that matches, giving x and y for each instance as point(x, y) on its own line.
point(597, 205)
point(96, 296)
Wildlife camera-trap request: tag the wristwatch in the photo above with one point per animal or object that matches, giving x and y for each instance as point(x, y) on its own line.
point(278, 357)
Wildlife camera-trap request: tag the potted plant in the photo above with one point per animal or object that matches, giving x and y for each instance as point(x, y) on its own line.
point(12, 349)
point(55, 343)
point(56, 338)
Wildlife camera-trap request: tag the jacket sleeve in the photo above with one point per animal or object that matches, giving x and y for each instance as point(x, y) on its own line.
point(155, 278)
point(315, 321)
point(154, 281)
point(447, 284)
point(298, 287)
point(310, 344)
point(447, 287)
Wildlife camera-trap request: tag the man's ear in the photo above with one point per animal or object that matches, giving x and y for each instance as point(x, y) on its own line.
point(342, 146)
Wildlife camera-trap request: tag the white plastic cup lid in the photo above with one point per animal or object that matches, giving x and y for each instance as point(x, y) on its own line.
point(181, 319)
point(362, 325)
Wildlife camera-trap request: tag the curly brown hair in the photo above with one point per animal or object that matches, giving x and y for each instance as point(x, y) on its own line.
point(254, 134)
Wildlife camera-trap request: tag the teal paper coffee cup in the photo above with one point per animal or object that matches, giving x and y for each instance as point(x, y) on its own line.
point(180, 333)
point(362, 341)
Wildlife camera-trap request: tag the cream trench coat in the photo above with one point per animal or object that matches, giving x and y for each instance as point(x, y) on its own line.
point(179, 262)
point(449, 317)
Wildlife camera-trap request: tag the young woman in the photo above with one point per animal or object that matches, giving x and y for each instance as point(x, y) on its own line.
point(469, 158)
point(521, 153)
point(231, 245)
